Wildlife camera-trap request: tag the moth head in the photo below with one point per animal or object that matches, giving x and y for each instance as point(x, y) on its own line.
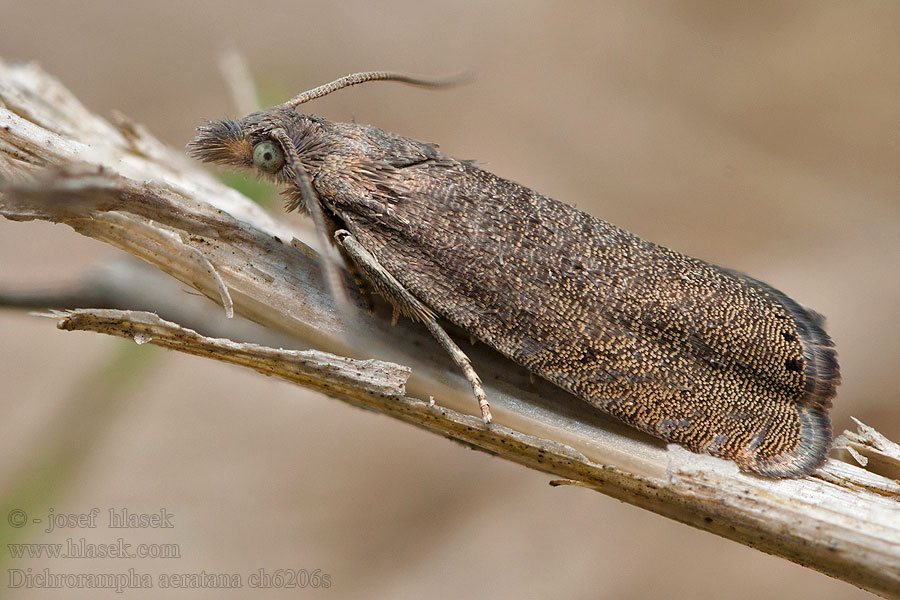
point(234, 144)
point(248, 144)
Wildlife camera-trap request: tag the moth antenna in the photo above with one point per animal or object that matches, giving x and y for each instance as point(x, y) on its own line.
point(329, 270)
point(357, 78)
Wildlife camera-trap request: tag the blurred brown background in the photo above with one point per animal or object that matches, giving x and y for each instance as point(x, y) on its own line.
point(766, 139)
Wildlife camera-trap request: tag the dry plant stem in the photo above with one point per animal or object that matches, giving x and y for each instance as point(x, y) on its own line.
point(152, 203)
point(366, 379)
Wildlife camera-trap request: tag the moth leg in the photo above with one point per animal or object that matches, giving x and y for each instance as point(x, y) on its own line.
point(362, 284)
point(403, 301)
point(313, 206)
point(365, 290)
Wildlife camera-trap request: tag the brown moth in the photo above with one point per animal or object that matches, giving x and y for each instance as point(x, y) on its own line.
point(682, 349)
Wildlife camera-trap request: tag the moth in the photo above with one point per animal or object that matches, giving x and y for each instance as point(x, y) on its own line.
point(682, 349)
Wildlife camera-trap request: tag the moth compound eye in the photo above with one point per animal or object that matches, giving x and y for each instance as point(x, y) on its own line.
point(268, 157)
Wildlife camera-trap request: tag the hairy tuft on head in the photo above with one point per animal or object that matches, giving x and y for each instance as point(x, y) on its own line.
point(222, 142)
